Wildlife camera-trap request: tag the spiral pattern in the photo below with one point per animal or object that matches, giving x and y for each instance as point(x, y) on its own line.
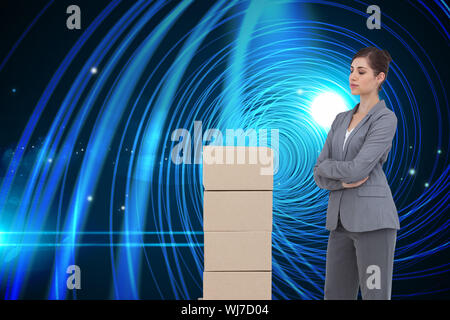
point(91, 181)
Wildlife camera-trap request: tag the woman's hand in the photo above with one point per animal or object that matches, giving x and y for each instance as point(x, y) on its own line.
point(355, 184)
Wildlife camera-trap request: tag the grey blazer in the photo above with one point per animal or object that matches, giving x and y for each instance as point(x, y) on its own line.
point(369, 206)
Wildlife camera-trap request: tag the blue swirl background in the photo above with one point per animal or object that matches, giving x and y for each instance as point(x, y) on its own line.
point(86, 170)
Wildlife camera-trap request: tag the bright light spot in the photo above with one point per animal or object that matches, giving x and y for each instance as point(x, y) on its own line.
point(50, 160)
point(426, 185)
point(90, 198)
point(412, 171)
point(439, 151)
point(299, 91)
point(93, 70)
point(122, 207)
point(325, 107)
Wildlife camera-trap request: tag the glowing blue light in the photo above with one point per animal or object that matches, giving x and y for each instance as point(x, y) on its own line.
point(326, 106)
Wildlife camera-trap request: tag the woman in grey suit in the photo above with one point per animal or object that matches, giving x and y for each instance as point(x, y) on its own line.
point(361, 215)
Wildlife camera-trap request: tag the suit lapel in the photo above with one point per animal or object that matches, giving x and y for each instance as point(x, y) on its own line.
point(342, 130)
point(380, 104)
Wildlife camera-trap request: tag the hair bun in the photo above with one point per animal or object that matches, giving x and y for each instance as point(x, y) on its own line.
point(387, 55)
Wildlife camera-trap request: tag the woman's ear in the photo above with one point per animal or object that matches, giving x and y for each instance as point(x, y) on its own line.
point(381, 77)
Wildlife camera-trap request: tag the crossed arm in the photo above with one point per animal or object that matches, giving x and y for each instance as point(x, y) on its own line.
point(321, 181)
point(329, 174)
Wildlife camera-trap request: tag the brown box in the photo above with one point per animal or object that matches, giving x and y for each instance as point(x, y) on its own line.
point(237, 168)
point(238, 251)
point(237, 210)
point(246, 285)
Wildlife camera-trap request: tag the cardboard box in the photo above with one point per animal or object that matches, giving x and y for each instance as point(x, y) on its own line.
point(237, 210)
point(237, 168)
point(238, 251)
point(237, 285)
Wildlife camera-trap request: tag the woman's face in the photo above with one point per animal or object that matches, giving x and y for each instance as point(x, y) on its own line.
point(362, 78)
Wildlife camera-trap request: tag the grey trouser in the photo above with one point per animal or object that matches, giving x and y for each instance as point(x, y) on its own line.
point(359, 259)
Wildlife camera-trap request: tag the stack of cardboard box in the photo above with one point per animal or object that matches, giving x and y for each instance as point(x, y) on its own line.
point(237, 223)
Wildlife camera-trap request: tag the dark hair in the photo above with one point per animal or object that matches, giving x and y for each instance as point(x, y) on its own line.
point(378, 60)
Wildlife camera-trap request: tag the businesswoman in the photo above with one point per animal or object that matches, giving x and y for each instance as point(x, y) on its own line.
point(361, 215)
